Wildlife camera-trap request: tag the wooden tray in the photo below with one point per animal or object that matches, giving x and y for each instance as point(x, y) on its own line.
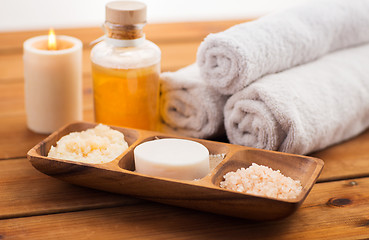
point(205, 194)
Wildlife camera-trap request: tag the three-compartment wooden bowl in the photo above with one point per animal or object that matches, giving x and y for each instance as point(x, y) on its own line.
point(118, 176)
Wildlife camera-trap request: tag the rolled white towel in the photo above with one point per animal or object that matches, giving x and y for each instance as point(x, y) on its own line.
point(305, 108)
point(231, 60)
point(188, 106)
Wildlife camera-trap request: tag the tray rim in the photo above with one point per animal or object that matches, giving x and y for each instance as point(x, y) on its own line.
point(33, 153)
point(319, 164)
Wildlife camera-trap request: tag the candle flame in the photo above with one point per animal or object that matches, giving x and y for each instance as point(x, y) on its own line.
point(52, 40)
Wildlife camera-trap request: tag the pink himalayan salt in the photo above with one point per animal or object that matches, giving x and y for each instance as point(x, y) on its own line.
point(263, 181)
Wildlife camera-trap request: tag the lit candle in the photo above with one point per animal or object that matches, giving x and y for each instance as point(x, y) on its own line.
point(53, 81)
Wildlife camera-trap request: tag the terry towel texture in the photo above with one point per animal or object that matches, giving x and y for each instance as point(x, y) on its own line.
point(231, 60)
point(305, 108)
point(188, 106)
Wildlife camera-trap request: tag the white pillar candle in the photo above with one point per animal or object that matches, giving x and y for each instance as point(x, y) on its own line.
point(53, 83)
point(172, 158)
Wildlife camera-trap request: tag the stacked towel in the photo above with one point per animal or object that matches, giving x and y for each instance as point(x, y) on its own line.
point(231, 60)
point(305, 108)
point(188, 106)
point(316, 93)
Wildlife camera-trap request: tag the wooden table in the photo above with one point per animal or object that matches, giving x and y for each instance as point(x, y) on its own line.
point(35, 206)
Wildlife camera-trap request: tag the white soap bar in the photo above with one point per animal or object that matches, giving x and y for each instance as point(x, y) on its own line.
point(172, 158)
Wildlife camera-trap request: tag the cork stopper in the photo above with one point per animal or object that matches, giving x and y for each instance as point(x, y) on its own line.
point(125, 12)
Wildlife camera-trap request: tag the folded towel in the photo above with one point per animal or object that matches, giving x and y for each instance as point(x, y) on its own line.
point(188, 106)
point(305, 108)
point(231, 60)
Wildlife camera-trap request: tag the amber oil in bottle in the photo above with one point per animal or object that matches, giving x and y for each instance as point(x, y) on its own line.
point(125, 70)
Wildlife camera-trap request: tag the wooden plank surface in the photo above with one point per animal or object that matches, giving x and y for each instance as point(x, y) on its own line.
point(26, 192)
point(171, 42)
point(30, 202)
point(348, 159)
point(174, 56)
point(33, 193)
point(11, 42)
point(334, 210)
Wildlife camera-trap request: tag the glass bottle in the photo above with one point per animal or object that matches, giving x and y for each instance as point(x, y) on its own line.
point(125, 70)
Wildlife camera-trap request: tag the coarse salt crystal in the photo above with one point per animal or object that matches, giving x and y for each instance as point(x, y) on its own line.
point(96, 145)
point(262, 180)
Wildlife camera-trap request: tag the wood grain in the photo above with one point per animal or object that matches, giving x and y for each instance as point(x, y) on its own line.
point(334, 210)
point(26, 192)
point(349, 157)
point(16, 139)
point(11, 42)
point(178, 47)
point(174, 56)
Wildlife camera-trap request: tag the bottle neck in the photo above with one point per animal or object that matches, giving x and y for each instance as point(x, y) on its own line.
point(124, 35)
point(126, 32)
